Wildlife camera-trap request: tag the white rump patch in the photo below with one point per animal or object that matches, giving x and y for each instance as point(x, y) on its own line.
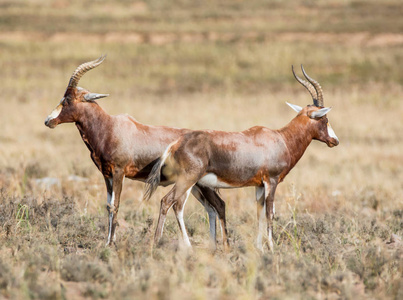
point(210, 180)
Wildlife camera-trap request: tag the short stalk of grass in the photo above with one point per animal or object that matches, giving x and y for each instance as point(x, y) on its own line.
point(22, 217)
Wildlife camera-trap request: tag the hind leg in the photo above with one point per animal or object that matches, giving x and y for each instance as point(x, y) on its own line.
point(179, 208)
point(176, 196)
point(166, 204)
point(261, 216)
point(215, 205)
point(212, 214)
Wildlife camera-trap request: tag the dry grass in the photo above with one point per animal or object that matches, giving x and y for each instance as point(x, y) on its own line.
point(337, 210)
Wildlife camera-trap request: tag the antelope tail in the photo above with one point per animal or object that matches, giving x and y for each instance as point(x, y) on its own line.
point(154, 179)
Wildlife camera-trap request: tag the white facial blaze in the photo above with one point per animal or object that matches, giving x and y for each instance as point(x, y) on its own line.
point(330, 132)
point(55, 113)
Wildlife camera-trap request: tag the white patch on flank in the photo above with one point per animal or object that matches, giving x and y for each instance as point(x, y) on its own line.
point(210, 180)
point(330, 132)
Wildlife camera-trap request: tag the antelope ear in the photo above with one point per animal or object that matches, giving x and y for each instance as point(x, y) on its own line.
point(320, 113)
point(94, 96)
point(295, 107)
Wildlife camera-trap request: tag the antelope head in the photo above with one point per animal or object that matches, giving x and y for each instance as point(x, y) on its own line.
point(316, 114)
point(74, 96)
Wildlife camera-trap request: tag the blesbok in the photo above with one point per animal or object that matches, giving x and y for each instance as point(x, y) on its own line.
point(122, 147)
point(258, 157)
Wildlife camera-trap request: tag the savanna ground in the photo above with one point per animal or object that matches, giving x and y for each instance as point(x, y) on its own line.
point(221, 65)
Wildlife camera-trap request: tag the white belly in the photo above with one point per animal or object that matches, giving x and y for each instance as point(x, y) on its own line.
point(210, 180)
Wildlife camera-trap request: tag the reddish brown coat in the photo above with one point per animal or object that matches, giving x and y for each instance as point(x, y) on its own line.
point(120, 146)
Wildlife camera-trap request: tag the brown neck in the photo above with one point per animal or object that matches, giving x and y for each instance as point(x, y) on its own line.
point(297, 136)
point(94, 124)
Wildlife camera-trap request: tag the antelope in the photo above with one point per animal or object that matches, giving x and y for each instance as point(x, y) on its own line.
point(258, 157)
point(122, 147)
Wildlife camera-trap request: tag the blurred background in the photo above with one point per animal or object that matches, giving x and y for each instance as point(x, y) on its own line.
point(219, 65)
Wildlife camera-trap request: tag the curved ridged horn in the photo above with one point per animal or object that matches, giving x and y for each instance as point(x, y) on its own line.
point(311, 89)
point(82, 69)
point(317, 87)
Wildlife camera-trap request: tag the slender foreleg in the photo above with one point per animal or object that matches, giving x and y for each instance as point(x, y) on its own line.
point(261, 216)
point(109, 185)
point(114, 189)
point(270, 190)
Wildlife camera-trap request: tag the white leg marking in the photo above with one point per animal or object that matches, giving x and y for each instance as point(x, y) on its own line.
point(259, 193)
point(111, 200)
point(271, 239)
point(260, 196)
point(111, 186)
point(330, 132)
point(182, 223)
point(262, 227)
point(212, 223)
point(270, 233)
point(210, 211)
point(222, 231)
point(110, 228)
